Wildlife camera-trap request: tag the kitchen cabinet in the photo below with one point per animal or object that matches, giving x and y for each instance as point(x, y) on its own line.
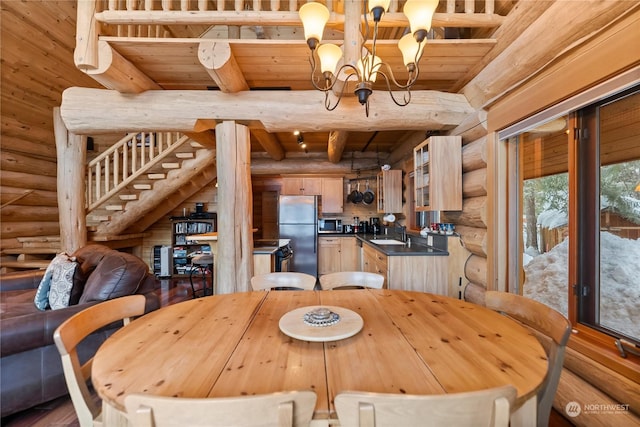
point(332, 195)
point(408, 273)
point(390, 191)
point(301, 186)
point(337, 254)
point(184, 249)
point(374, 261)
point(330, 189)
point(350, 252)
point(438, 174)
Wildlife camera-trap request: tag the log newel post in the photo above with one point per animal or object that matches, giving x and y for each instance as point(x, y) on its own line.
point(71, 152)
point(234, 263)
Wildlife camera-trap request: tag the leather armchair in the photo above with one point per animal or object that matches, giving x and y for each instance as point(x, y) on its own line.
point(31, 371)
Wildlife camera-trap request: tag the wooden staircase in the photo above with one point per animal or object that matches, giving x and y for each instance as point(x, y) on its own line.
point(128, 168)
point(118, 176)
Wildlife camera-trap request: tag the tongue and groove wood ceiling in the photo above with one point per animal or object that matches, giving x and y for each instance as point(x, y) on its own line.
point(38, 43)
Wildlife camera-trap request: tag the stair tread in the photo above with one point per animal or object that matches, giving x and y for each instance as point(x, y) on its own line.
point(32, 251)
point(26, 264)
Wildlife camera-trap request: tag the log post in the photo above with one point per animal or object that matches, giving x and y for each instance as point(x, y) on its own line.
point(72, 158)
point(234, 266)
point(85, 54)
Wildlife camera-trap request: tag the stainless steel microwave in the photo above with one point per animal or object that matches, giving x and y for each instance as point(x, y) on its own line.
point(329, 225)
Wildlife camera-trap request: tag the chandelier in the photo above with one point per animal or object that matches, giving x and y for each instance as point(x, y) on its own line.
point(315, 16)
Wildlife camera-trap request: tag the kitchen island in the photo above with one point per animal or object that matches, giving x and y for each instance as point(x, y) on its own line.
point(413, 267)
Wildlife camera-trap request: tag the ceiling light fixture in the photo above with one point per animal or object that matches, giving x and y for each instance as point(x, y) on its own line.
point(300, 139)
point(314, 17)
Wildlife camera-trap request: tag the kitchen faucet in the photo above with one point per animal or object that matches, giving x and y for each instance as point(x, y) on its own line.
point(403, 232)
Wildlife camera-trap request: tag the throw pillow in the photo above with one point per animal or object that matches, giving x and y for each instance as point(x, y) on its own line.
point(41, 299)
point(62, 283)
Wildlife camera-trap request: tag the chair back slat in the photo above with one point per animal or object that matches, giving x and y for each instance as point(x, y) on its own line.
point(490, 407)
point(349, 279)
point(283, 280)
point(284, 409)
point(72, 331)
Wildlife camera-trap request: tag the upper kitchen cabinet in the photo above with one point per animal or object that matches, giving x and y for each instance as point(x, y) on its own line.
point(330, 189)
point(332, 195)
point(390, 191)
point(301, 186)
point(438, 174)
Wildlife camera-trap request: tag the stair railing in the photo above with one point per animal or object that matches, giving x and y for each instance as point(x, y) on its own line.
point(126, 160)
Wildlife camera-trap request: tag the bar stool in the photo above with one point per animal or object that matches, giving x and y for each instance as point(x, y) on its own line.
point(202, 264)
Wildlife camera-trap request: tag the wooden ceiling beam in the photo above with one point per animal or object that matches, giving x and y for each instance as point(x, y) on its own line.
point(117, 73)
point(218, 60)
point(206, 138)
point(337, 142)
point(269, 142)
point(92, 111)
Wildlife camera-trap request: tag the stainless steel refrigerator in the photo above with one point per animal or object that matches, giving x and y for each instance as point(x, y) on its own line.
point(298, 221)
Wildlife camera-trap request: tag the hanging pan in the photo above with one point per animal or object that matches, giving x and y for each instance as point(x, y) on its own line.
point(349, 196)
point(368, 196)
point(356, 195)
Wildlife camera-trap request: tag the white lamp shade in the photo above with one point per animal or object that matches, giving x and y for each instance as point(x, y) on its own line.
point(409, 47)
point(329, 55)
point(314, 17)
point(369, 71)
point(420, 13)
point(379, 3)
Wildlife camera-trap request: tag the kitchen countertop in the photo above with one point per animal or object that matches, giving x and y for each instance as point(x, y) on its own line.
point(416, 249)
point(267, 250)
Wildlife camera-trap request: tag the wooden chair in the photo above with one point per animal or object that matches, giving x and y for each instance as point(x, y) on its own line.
point(283, 280)
point(71, 332)
point(293, 408)
point(547, 322)
point(489, 407)
point(351, 279)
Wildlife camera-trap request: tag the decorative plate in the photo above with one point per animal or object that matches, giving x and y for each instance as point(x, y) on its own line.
point(321, 323)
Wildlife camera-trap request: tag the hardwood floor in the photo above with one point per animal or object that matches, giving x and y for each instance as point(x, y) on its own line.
point(60, 412)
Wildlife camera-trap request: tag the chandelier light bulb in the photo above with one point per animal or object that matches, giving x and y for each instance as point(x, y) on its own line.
point(314, 17)
point(369, 68)
point(378, 7)
point(330, 55)
point(420, 13)
point(411, 50)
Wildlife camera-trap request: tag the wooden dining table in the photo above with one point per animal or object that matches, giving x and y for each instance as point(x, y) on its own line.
point(231, 345)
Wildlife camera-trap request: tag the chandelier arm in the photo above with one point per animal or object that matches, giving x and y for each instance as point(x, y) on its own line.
point(389, 77)
point(327, 101)
point(365, 33)
point(406, 91)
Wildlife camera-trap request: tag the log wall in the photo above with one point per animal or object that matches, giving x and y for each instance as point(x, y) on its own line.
point(30, 91)
point(583, 380)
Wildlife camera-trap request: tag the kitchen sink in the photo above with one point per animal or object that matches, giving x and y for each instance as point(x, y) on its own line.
point(387, 242)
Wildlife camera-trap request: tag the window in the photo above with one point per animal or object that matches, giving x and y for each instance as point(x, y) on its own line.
point(608, 217)
point(576, 227)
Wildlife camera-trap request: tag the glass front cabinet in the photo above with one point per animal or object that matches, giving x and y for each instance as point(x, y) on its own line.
point(438, 174)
